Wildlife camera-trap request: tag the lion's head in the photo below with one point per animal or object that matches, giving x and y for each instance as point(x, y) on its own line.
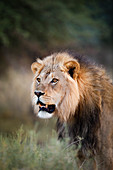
point(55, 88)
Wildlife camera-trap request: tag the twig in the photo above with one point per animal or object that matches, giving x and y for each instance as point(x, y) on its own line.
point(72, 144)
point(82, 164)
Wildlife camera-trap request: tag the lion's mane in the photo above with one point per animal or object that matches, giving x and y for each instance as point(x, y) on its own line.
point(91, 117)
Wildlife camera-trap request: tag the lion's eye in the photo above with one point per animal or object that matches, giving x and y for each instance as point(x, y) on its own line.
point(54, 81)
point(38, 80)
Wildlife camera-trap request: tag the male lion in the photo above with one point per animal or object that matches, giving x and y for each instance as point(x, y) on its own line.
point(80, 94)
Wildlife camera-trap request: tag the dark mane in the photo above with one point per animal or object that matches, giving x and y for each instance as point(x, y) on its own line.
point(82, 59)
point(85, 125)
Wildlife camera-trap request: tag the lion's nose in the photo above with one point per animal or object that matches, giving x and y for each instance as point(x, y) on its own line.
point(38, 93)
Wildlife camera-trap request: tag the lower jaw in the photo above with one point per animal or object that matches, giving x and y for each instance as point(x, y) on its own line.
point(44, 115)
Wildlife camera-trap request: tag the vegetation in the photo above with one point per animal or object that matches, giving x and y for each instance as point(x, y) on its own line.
point(22, 151)
point(52, 22)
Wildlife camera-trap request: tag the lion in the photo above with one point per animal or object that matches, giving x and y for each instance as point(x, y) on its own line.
point(80, 95)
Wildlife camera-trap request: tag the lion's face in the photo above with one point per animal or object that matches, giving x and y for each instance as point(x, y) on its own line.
point(55, 89)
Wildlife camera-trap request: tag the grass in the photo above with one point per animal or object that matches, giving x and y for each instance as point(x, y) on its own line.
point(22, 151)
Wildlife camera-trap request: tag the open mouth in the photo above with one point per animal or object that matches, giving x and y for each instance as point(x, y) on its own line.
point(47, 108)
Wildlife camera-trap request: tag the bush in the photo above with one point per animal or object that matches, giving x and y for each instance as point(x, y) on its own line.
point(54, 22)
point(22, 151)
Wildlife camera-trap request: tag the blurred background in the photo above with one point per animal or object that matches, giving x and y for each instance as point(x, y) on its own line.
point(36, 28)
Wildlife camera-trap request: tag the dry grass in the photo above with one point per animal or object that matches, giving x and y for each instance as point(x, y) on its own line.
point(15, 99)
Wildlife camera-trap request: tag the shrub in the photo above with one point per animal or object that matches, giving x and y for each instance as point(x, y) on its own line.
point(22, 151)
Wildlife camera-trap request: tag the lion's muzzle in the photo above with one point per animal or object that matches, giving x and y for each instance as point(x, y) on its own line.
point(45, 110)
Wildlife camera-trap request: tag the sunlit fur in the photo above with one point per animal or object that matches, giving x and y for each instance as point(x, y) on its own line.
point(84, 100)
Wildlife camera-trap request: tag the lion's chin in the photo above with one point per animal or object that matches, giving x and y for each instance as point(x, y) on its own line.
point(44, 115)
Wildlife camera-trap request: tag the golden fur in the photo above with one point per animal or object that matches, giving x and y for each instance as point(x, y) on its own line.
point(83, 97)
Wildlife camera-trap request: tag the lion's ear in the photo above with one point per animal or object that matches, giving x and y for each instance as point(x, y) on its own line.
point(73, 68)
point(36, 66)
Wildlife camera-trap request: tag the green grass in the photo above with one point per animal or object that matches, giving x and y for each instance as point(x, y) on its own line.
point(23, 151)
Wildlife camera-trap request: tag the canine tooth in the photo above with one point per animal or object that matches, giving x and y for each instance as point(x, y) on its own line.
point(40, 105)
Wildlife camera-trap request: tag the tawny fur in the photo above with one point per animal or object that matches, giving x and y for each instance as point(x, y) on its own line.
point(84, 100)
